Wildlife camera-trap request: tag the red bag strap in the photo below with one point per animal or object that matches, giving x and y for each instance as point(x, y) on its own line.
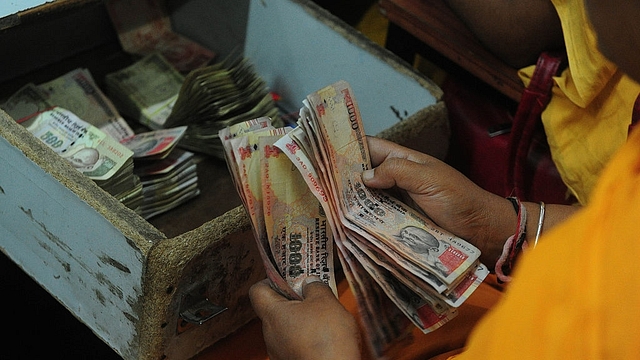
point(535, 98)
point(635, 115)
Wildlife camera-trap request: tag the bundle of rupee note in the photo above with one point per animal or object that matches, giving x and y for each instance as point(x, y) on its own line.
point(302, 188)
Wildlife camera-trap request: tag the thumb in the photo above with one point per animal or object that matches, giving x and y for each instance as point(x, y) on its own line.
point(263, 296)
point(314, 289)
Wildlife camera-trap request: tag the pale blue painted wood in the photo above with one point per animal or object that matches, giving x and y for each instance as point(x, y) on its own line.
point(8, 7)
point(297, 53)
point(69, 248)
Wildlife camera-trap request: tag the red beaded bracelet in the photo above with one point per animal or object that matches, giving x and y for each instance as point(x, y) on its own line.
point(513, 245)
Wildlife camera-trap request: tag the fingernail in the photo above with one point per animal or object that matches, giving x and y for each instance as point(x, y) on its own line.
point(367, 175)
point(311, 279)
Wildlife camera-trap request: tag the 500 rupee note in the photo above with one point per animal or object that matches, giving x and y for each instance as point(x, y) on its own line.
point(88, 149)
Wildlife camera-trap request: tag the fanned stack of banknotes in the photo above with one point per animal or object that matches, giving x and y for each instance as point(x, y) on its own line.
point(73, 117)
point(217, 96)
point(168, 175)
point(206, 100)
point(186, 110)
point(167, 182)
point(78, 121)
point(303, 190)
point(146, 91)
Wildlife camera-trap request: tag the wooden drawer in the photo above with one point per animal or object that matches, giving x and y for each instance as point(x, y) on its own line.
point(129, 279)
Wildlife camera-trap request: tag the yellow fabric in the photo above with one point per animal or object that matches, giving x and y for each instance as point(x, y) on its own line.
point(577, 295)
point(587, 118)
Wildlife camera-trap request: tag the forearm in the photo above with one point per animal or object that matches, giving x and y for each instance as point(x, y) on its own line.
point(501, 223)
point(554, 214)
point(516, 31)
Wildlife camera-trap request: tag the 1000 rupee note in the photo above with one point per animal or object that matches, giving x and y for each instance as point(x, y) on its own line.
point(378, 265)
point(425, 311)
point(297, 226)
point(347, 155)
point(154, 145)
point(237, 130)
point(384, 323)
point(424, 284)
point(144, 27)
point(250, 191)
point(426, 307)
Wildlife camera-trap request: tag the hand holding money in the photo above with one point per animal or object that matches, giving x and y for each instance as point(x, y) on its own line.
point(335, 336)
point(439, 196)
point(401, 266)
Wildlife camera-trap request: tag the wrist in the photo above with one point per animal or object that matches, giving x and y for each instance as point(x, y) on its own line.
point(501, 222)
point(531, 222)
point(535, 222)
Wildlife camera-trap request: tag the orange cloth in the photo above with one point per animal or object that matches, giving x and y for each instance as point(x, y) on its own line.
point(576, 295)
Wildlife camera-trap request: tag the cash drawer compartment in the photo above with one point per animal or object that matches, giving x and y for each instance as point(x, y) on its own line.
point(128, 279)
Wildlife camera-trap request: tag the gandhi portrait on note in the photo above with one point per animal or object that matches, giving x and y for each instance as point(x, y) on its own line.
point(425, 244)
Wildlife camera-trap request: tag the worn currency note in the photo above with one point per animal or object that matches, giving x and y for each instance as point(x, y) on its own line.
point(146, 90)
point(26, 102)
point(425, 311)
point(218, 96)
point(425, 306)
point(163, 183)
point(144, 27)
point(88, 149)
point(154, 145)
point(239, 129)
point(243, 155)
point(300, 236)
point(422, 282)
point(289, 144)
point(384, 323)
point(159, 203)
point(216, 92)
point(403, 229)
point(77, 92)
point(169, 164)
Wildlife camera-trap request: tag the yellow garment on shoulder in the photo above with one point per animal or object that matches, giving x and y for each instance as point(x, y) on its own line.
point(588, 116)
point(577, 295)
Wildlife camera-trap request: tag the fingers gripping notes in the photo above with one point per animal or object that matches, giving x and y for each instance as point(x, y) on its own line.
point(389, 252)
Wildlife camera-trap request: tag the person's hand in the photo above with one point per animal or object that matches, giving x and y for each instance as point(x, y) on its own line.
point(318, 327)
point(449, 198)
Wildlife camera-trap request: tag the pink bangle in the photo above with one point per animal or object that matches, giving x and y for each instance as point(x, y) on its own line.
point(513, 245)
